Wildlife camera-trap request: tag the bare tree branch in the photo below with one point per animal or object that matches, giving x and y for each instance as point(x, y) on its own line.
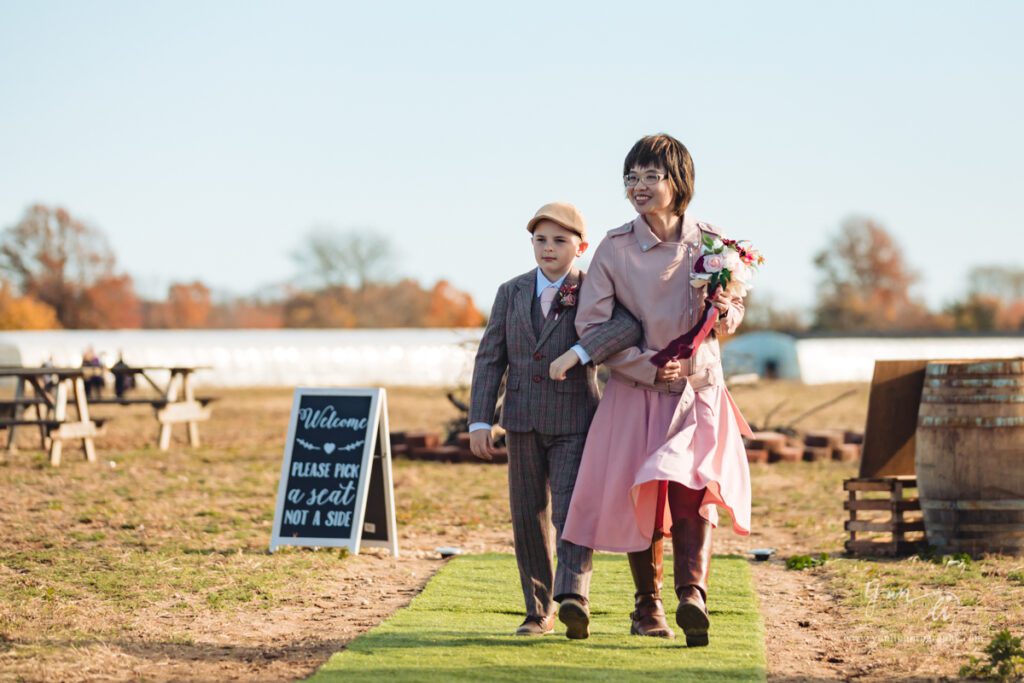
point(329, 258)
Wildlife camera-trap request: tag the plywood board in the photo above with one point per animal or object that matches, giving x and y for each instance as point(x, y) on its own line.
point(892, 418)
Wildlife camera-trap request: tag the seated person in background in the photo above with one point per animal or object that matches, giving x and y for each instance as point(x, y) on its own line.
point(124, 379)
point(94, 382)
point(49, 381)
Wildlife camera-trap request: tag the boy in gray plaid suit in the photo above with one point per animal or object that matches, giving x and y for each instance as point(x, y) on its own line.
point(533, 322)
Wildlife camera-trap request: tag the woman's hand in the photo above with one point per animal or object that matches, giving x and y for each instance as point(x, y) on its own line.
point(721, 301)
point(672, 371)
point(563, 364)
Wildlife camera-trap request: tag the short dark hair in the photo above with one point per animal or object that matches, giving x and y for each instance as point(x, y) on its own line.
point(663, 150)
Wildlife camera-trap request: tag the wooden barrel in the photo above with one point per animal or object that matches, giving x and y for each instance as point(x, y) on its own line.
point(970, 455)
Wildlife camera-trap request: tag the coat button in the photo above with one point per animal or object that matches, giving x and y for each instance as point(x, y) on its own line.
point(537, 356)
point(537, 379)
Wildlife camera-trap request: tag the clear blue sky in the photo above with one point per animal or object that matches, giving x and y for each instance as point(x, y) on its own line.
point(205, 138)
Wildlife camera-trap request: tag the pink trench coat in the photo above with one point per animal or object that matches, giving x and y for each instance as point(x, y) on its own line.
point(688, 431)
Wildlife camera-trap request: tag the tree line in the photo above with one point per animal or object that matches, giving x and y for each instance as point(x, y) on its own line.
point(865, 284)
point(57, 271)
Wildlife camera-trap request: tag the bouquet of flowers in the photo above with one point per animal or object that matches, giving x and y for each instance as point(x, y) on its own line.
point(724, 265)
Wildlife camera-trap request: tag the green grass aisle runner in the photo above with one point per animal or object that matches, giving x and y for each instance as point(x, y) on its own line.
point(460, 626)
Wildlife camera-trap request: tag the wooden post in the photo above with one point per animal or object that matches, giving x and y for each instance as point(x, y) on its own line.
point(193, 426)
point(170, 396)
point(60, 411)
point(897, 514)
point(83, 416)
point(19, 393)
point(853, 513)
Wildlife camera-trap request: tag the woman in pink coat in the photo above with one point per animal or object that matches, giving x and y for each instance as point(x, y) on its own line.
point(660, 434)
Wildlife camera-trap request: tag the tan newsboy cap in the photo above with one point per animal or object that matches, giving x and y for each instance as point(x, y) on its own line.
point(566, 215)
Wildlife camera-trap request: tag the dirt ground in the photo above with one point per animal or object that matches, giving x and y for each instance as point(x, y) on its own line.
point(152, 565)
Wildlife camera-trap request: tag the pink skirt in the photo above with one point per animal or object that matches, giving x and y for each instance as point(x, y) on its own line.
point(640, 437)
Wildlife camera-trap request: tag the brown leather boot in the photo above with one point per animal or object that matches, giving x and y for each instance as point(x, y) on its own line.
point(691, 547)
point(649, 614)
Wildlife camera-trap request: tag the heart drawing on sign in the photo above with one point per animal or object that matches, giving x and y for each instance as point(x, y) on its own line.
point(329, 448)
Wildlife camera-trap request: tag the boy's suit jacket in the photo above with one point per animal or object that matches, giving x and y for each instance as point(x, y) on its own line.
point(533, 401)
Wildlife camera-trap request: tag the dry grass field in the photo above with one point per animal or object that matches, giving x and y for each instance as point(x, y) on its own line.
point(152, 565)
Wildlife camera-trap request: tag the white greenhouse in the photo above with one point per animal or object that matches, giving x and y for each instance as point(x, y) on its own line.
point(822, 359)
point(419, 357)
point(444, 357)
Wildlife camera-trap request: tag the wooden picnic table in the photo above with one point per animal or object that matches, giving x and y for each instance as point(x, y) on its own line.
point(46, 391)
point(175, 402)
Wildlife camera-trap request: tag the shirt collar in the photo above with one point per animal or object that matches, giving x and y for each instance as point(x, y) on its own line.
point(543, 283)
point(648, 240)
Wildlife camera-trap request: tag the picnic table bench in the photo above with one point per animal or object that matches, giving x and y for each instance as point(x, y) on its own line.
point(175, 402)
point(46, 392)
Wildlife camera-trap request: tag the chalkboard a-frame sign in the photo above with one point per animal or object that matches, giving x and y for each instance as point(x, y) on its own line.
point(336, 488)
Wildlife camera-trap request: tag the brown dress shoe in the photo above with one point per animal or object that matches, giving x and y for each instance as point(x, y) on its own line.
point(575, 614)
point(692, 616)
point(536, 625)
point(691, 547)
point(649, 614)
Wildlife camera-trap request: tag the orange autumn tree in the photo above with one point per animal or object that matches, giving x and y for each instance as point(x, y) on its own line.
point(380, 305)
point(348, 279)
point(189, 304)
point(866, 283)
point(110, 303)
point(329, 307)
point(995, 300)
point(450, 307)
point(24, 312)
point(63, 262)
point(247, 313)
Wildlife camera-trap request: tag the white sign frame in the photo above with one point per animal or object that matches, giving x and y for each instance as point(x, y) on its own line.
point(377, 432)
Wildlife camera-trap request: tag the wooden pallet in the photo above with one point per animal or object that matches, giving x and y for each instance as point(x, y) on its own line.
point(891, 530)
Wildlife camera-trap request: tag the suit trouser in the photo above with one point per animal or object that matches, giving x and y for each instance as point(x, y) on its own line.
point(541, 475)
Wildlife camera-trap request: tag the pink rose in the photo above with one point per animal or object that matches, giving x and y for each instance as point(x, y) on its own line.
point(712, 263)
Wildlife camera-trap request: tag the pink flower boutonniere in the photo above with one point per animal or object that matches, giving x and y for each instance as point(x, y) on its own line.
point(566, 298)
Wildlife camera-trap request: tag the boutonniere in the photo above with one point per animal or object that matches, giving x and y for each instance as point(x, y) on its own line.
point(566, 298)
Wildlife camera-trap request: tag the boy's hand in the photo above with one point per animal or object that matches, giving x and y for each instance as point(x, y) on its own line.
point(672, 371)
point(481, 444)
point(563, 364)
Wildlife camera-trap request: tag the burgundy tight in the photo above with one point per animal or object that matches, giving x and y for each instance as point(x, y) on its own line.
point(683, 502)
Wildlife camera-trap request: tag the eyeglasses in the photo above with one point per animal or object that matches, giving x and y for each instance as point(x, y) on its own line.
point(648, 179)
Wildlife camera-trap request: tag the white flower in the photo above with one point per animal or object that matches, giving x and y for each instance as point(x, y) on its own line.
point(732, 260)
point(716, 245)
point(741, 272)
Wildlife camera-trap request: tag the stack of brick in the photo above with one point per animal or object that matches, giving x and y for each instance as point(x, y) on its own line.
point(771, 447)
point(832, 444)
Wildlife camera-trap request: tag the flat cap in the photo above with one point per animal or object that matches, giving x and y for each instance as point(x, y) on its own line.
point(562, 213)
